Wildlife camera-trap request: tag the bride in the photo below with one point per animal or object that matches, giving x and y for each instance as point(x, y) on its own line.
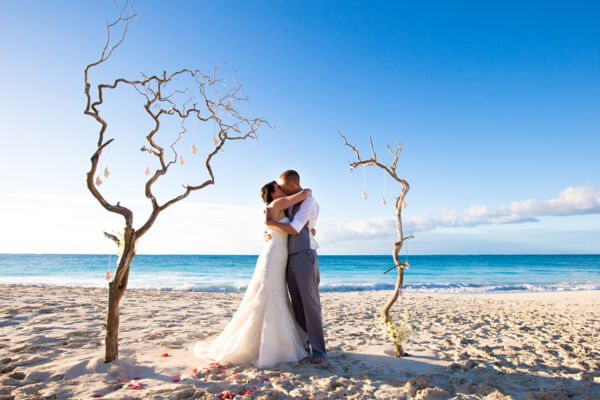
point(263, 331)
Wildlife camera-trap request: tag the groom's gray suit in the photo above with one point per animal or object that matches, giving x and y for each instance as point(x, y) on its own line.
point(302, 277)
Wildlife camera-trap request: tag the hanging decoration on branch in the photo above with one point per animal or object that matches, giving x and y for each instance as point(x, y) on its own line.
point(106, 171)
point(108, 276)
point(194, 149)
point(181, 160)
point(147, 171)
point(383, 202)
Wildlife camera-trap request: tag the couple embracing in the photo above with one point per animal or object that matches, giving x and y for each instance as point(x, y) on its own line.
point(268, 328)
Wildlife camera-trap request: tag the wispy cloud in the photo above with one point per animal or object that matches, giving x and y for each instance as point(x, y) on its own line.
point(577, 200)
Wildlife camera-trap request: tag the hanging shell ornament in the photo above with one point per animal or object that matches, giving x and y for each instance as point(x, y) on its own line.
point(194, 149)
point(364, 196)
point(147, 171)
point(406, 265)
point(215, 141)
point(181, 160)
point(98, 181)
point(383, 202)
point(404, 204)
point(106, 172)
point(108, 276)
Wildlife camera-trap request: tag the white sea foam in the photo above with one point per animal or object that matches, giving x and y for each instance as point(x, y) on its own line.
point(240, 286)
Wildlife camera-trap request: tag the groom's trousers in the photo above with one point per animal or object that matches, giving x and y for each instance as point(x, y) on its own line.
point(302, 276)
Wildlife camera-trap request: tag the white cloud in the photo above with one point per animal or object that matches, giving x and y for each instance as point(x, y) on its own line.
point(571, 201)
point(72, 224)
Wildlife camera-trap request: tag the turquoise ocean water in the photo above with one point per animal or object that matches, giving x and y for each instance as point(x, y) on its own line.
point(427, 274)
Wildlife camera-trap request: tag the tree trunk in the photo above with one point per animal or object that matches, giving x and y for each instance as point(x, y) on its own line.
point(116, 291)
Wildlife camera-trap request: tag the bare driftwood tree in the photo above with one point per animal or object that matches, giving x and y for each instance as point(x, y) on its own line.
point(161, 101)
point(397, 333)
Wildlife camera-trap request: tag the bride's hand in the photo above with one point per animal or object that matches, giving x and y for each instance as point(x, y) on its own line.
point(267, 214)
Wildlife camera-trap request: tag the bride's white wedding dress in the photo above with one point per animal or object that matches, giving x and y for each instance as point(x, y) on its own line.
point(263, 331)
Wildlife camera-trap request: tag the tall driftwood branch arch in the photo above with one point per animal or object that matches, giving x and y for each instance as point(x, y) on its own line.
point(161, 102)
point(399, 205)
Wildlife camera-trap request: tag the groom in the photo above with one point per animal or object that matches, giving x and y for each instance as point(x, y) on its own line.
point(302, 274)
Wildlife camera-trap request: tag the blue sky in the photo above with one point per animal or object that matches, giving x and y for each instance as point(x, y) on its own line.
point(495, 104)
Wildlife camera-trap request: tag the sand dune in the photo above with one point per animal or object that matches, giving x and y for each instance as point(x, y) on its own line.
point(521, 346)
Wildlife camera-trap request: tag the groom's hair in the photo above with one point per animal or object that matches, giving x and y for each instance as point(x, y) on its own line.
point(291, 176)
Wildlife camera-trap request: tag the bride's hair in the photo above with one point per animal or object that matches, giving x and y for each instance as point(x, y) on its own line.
point(267, 192)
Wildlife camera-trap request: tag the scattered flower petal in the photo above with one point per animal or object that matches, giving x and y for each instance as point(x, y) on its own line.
point(136, 378)
point(176, 380)
point(195, 370)
point(165, 355)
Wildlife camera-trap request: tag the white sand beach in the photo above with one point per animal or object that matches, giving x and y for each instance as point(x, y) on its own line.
point(504, 346)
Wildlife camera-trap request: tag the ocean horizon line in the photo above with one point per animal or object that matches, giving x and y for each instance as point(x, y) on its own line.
point(320, 254)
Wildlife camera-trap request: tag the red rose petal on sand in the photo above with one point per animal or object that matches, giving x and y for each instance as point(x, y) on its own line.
point(134, 356)
point(195, 370)
point(254, 387)
point(136, 378)
point(165, 355)
point(137, 387)
point(176, 380)
point(265, 380)
point(242, 393)
point(249, 392)
point(122, 382)
point(282, 374)
point(97, 395)
point(226, 367)
point(130, 384)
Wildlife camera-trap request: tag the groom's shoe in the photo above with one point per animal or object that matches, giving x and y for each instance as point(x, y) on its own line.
point(317, 360)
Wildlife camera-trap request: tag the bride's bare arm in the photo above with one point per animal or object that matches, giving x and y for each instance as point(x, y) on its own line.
point(282, 227)
point(286, 202)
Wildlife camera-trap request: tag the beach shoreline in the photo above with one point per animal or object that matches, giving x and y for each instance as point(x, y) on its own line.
point(535, 345)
